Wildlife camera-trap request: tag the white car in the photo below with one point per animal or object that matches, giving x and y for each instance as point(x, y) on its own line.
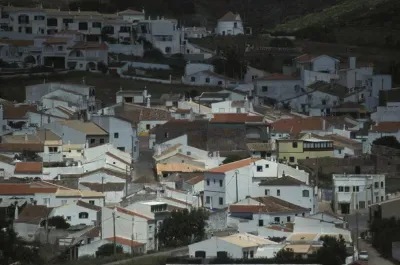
point(363, 255)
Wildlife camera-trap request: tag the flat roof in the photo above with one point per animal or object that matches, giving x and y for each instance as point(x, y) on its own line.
point(316, 140)
point(302, 237)
point(153, 203)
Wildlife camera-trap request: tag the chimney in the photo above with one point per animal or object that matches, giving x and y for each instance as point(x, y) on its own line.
point(148, 101)
point(143, 11)
point(352, 63)
point(79, 9)
point(16, 211)
point(323, 124)
point(26, 137)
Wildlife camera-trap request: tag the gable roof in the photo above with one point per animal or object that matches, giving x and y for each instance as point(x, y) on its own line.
point(130, 12)
point(131, 213)
point(125, 241)
point(278, 76)
point(177, 167)
point(283, 181)
point(386, 127)
point(105, 187)
point(297, 125)
point(267, 204)
point(20, 147)
point(307, 57)
point(89, 128)
point(195, 180)
point(88, 205)
point(17, 111)
point(233, 165)
point(330, 88)
point(28, 168)
point(235, 118)
point(230, 16)
point(33, 214)
point(25, 189)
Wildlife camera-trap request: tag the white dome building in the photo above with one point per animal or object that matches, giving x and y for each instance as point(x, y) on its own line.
point(230, 24)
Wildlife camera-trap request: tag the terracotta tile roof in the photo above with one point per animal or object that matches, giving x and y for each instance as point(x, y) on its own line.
point(55, 40)
point(89, 46)
point(230, 16)
point(130, 12)
point(94, 232)
point(33, 214)
point(125, 241)
point(177, 167)
point(142, 114)
point(256, 147)
point(24, 189)
point(106, 187)
point(342, 141)
point(283, 181)
point(19, 147)
point(17, 43)
point(305, 58)
point(182, 111)
point(17, 111)
point(238, 103)
point(28, 168)
point(267, 204)
point(297, 125)
point(131, 213)
point(386, 127)
point(278, 76)
point(234, 165)
point(118, 158)
point(330, 88)
point(279, 228)
point(89, 128)
point(88, 205)
point(235, 118)
point(195, 180)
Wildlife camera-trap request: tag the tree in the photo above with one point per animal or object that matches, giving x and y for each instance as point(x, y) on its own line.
point(333, 251)
point(231, 64)
point(108, 250)
point(285, 255)
point(231, 158)
point(388, 141)
point(183, 228)
point(58, 222)
point(102, 67)
point(281, 43)
point(155, 54)
point(384, 232)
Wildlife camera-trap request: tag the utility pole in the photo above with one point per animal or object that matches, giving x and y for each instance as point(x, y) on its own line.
point(132, 236)
point(237, 188)
point(102, 190)
point(115, 240)
point(357, 234)
point(126, 181)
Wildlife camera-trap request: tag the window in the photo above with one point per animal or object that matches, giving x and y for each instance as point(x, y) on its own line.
point(83, 215)
point(166, 135)
point(53, 149)
point(38, 18)
point(306, 193)
point(46, 201)
point(92, 141)
point(116, 135)
point(267, 192)
point(91, 202)
point(60, 48)
point(238, 110)
point(96, 24)
point(147, 126)
point(208, 182)
point(356, 188)
point(193, 79)
point(219, 83)
point(382, 185)
point(288, 219)
point(251, 254)
point(188, 153)
point(377, 199)
point(376, 185)
point(221, 182)
point(323, 102)
point(52, 22)
point(278, 192)
point(294, 144)
point(102, 141)
point(68, 218)
point(381, 198)
point(260, 222)
point(235, 25)
point(291, 159)
point(207, 80)
point(346, 189)
point(277, 219)
point(208, 199)
point(28, 30)
point(214, 181)
point(303, 214)
point(63, 202)
point(340, 151)
point(267, 165)
point(341, 189)
point(264, 88)
point(121, 148)
point(83, 26)
point(259, 169)
point(221, 201)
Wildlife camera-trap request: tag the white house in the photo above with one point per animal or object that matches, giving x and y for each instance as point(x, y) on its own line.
point(356, 192)
point(229, 24)
point(221, 188)
point(237, 106)
point(291, 190)
point(249, 214)
point(131, 15)
point(209, 78)
point(128, 245)
point(381, 129)
point(78, 212)
point(389, 106)
point(278, 87)
point(253, 74)
point(113, 191)
point(236, 246)
point(317, 63)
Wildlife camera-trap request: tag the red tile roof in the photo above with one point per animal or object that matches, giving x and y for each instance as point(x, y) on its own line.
point(55, 40)
point(88, 205)
point(33, 214)
point(297, 125)
point(24, 189)
point(230, 16)
point(386, 127)
point(235, 118)
point(28, 168)
point(306, 58)
point(125, 241)
point(17, 111)
point(267, 204)
point(128, 212)
point(279, 228)
point(234, 165)
point(278, 76)
point(195, 180)
point(20, 147)
point(183, 111)
point(17, 43)
point(130, 12)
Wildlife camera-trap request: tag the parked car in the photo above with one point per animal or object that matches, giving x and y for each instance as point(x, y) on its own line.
point(363, 255)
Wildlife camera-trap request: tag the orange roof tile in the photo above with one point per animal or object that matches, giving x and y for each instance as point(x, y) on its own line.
point(267, 204)
point(235, 118)
point(128, 212)
point(55, 40)
point(195, 180)
point(28, 168)
point(17, 43)
point(17, 111)
point(297, 125)
point(305, 58)
point(24, 189)
point(234, 165)
point(125, 241)
point(230, 16)
point(89, 46)
point(278, 76)
point(279, 228)
point(387, 127)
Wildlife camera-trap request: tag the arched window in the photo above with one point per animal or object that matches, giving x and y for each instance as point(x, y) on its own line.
point(83, 215)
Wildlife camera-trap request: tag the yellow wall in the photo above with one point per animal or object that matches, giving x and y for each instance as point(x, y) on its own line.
point(286, 150)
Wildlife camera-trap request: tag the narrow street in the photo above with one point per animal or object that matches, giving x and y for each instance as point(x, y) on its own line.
point(374, 256)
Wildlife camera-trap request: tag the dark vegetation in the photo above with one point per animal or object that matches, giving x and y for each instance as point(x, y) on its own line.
point(388, 141)
point(384, 232)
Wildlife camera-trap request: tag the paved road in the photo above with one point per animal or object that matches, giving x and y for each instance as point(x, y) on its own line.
point(374, 256)
point(158, 254)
